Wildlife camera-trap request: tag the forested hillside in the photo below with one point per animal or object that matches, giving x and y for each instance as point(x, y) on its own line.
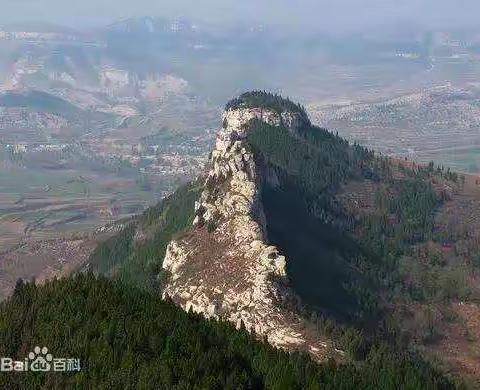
point(126, 338)
point(311, 231)
point(135, 255)
point(350, 261)
point(322, 239)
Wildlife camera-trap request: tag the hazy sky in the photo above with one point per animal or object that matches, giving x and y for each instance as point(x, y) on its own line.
point(340, 15)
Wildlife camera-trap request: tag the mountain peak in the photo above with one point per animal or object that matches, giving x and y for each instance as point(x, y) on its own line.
point(224, 266)
point(232, 160)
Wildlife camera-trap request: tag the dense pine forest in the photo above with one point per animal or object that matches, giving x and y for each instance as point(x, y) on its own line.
point(127, 338)
point(265, 100)
point(360, 252)
point(310, 167)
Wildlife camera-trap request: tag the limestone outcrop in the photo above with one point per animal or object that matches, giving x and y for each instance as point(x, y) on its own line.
point(224, 267)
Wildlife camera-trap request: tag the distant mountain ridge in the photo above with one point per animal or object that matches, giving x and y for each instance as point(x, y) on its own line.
point(40, 27)
point(149, 25)
point(37, 100)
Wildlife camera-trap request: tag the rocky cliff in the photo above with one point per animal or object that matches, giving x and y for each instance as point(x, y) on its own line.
point(223, 266)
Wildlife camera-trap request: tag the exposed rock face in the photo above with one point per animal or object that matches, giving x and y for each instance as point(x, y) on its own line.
point(223, 267)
